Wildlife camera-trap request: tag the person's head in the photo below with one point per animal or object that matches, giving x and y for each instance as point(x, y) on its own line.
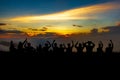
point(61, 45)
point(11, 42)
point(55, 44)
point(46, 45)
point(89, 42)
point(109, 45)
point(68, 44)
point(20, 43)
point(99, 45)
point(29, 44)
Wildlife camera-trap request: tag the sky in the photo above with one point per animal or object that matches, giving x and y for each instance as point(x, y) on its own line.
point(59, 19)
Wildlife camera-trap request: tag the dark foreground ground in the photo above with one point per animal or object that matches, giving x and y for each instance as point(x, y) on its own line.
point(74, 59)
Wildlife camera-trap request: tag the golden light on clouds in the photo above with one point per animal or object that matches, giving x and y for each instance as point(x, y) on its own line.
point(21, 23)
point(73, 14)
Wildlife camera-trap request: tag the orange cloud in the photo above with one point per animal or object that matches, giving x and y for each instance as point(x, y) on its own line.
point(118, 24)
point(73, 14)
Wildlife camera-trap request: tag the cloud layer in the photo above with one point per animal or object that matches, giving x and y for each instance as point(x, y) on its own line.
point(3, 24)
point(10, 31)
point(88, 12)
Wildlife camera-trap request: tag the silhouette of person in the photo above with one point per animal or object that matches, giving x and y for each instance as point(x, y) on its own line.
point(109, 49)
point(100, 48)
point(39, 49)
point(55, 47)
point(12, 47)
point(69, 48)
point(21, 46)
point(61, 48)
point(79, 48)
point(29, 49)
point(89, 47)
point(46, 47)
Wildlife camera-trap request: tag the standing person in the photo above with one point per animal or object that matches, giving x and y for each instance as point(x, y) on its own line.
point(55, 48)
point(109, 49)
point(21, 46)
point(46, 48)
point(29, 49)
point(39, 49)
point(100, 48)
point(69, 48)
point(79, 48)
point(61, 49)
point(89, 47)
point(12, 47)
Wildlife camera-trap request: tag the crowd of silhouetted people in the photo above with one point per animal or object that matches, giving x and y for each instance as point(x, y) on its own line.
point(53, 49)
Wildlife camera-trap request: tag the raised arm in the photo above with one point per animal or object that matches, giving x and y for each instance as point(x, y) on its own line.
point(93, 44)
point(111, 43)
point(101, 44)
point(64, 45)
point(49, 45)
point(76, 44)
point(24, 41)
point(72, 44)
point(53, 43)
point(84, 44)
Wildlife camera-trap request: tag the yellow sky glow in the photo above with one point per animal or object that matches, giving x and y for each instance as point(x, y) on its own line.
point(73, 14)
point(82, 13)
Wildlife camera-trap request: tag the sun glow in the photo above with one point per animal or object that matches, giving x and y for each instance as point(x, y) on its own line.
point(23, 23)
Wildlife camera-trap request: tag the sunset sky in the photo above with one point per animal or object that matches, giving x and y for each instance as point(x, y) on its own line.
point(41, 18)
